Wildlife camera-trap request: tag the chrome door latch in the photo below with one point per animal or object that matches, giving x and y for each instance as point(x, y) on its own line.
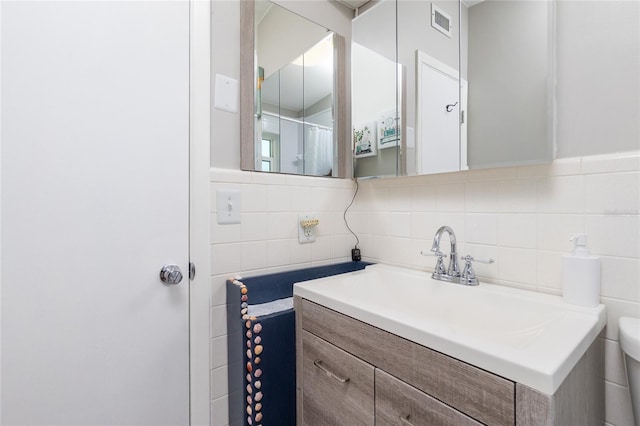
point(192, 271)
point(171, 274)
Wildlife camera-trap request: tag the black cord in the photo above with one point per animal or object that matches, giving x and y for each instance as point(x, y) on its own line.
point(344, 215)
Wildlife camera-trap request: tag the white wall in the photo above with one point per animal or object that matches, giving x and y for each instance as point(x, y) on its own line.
point(225, 60)
point(503, 198)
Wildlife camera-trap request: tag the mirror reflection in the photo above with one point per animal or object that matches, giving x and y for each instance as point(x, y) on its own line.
point(510, 59)
point(296, 115)
point(375, 104)
point(428, 47)
point(294, 95)
point(473, 83)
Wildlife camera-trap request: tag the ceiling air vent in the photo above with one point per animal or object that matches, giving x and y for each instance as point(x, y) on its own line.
point(440, 20)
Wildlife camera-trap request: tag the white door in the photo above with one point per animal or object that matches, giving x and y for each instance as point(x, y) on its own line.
point(437, 117)
point(94, 201)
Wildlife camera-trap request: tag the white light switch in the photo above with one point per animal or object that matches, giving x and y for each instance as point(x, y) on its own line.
point(228, 206)
point(226, 93)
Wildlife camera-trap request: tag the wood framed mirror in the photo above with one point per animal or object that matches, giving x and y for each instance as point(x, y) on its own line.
point(293, 91)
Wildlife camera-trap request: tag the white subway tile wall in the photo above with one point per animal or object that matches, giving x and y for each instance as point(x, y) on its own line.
point(266, 241)
point(522, 217)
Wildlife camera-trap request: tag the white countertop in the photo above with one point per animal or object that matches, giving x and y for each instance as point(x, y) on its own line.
point(531, 338)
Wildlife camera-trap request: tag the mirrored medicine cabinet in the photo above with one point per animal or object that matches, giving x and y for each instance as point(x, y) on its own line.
point(293, 111)
point(436, 86)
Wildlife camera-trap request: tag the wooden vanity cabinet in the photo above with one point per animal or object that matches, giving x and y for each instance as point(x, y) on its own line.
point(349, 372)
point(476, 393)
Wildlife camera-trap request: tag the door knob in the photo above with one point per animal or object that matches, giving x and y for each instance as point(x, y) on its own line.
point(171, 274)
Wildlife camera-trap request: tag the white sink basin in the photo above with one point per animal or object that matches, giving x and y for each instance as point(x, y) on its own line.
point(528, 337)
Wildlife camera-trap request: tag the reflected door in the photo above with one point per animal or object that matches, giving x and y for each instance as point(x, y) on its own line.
point(438, 117)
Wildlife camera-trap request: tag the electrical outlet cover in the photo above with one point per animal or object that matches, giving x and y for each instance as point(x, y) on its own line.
point(306, 234)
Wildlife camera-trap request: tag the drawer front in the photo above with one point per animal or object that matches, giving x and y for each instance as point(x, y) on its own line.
point(338, 388)
point(397, 403)
point(479, 394)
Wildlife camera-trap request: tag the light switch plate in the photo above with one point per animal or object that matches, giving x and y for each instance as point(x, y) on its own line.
point(226, 93)
point(228, 203)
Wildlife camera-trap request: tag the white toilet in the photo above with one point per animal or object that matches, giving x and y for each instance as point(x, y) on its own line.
point(629, 336)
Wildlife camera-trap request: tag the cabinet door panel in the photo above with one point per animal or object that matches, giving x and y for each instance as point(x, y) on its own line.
point(337, 387)
point(397, 403)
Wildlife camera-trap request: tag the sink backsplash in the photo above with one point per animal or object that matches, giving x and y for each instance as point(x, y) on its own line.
point(523, 217)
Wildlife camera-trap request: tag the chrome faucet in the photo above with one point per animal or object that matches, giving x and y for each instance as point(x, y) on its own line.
point(452, 273)
point(453, 270)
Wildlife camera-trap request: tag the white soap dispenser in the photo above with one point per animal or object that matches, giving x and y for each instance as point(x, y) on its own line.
point(581, 274)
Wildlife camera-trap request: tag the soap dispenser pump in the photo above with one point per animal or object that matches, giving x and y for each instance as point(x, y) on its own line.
point(581, 274)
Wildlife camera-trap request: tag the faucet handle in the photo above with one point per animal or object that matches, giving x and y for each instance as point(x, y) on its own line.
point(468, 275)
point(469, 259)
point(437, 253)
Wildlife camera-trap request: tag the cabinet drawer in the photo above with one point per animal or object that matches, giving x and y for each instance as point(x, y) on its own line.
point(397, 403)
point(475, 392)
point(337, 387)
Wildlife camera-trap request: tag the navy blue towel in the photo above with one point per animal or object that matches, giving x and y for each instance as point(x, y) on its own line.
point(261, 350)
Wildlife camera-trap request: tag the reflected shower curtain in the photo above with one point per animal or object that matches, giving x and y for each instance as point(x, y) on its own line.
point(318, 151)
